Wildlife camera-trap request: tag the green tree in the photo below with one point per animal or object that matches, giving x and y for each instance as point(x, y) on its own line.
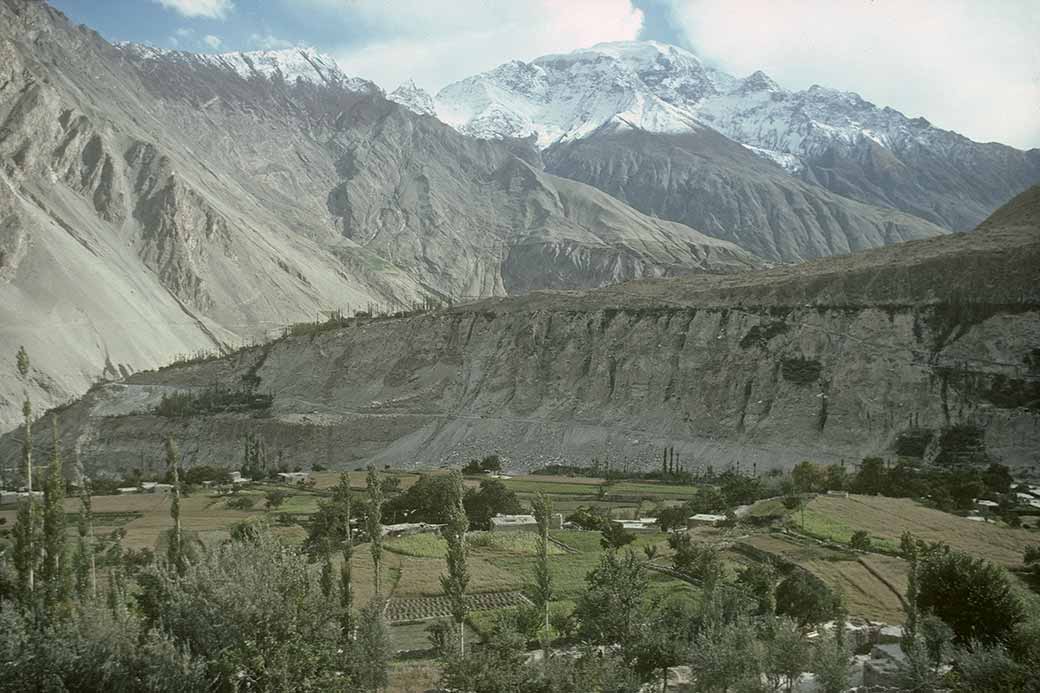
point(346, 587)
point(805, 598)
point(254, 611)
point(372, 650)
point(541, 588)
point(697, 560)
point(973, 596)
point(860, 540)
point(274, 498)
point(725, 652)
point(808, 477)
point(491, 499)
point(759, 579)
point(27, 549)
point(456, 580)
point(175, 549)
point(86, 554)
point(871, 478)
point(787, 653)
point(610, 608)
point(375, 527)
point(614, 536)
point(54, 572)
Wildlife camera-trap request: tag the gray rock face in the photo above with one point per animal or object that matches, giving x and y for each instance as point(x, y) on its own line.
point(708, 181)
point(160, 203)
point(834, 359)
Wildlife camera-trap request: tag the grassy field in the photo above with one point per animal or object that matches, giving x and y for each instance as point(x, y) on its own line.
point(885, 519)
point(854, 575)
point(479, 543)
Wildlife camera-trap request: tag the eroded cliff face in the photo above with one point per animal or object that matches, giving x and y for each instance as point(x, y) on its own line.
point(756, 387)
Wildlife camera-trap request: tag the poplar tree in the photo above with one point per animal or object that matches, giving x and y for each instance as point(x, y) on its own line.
point(54, 571)
point(175, 550)
point(86, 565)
point(455, 582)
point(541, 590)
point(346, 588)
point(26, 545)
point(375, 526)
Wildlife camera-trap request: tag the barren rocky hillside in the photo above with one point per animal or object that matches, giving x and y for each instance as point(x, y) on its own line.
point(155, 203)
point(928, 348)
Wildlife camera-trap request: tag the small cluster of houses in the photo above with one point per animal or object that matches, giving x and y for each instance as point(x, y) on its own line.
point(11, 496)
point(649, 524)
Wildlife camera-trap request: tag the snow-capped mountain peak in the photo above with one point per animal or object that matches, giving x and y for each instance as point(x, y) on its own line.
point(414, 98)
point(289, 64)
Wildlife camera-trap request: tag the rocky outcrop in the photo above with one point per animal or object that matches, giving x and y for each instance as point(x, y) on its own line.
point(835, 359)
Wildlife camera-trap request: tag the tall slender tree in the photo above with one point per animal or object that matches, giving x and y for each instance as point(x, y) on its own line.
point(455, 582)
point(26, 546)
point(175, 550)
point(86, 564)
point(54, 571)
point(375, 526)
point(346, 587)
point(908, 545)
point(541, 590)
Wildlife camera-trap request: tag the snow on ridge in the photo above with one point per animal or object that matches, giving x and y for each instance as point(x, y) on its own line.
point(291, 64)
point(663, 88)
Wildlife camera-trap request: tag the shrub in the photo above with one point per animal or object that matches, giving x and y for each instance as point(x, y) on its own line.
point(860, 540)
point(240, 502)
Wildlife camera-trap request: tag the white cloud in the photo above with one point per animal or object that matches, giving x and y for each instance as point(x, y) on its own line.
point(968, 66)
point(212, 41)
point(268, 42)
point(183, 32)
point(213, 9)
point(438, 43)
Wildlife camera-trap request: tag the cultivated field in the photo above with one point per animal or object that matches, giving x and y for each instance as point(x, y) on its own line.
point(885, 519)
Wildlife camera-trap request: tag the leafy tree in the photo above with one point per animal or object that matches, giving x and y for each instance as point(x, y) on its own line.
point(837, 478)
point(54, 572)
point(243, 503)
point(374, 522)
point(27, 545)
point(787, 653)
point(860, 540)
point(973, 596)
point(697, 560)
point(589, 518)
point(759, 579)
point(725, 652)
point(346, 586)
point(175, 550)
point(426, 500)
point(805, 598)
point(609, 610)
point(372, 651)
point(1031, 560)
point(673, 518)
point(491, 499)
point(457, 578)
point(997, 478)
point(254, 611)
point(329, 526)
point(274, 498)
point(808, 477)
point(871, 478)
point(86, 560)
point(541, 588)
point(200, 473)
point(831, 664)
point(614, 536)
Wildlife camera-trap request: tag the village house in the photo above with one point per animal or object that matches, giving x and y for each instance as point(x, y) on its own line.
point(294, 477)
point(703, 520)
point(513, 523)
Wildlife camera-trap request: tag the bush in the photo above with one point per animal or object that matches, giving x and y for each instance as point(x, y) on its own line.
point(240, 502)
point(860, 540)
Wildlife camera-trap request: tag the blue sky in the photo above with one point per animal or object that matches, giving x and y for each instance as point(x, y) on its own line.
point(967, 65)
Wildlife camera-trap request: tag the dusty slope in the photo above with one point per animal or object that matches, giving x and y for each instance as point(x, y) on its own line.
point(157, 203)
point(835, 359)
point(708, 181)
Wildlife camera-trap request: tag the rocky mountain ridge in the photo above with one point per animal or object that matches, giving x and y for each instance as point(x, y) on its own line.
point(159, 203)
point(928, 349)
point(827, 137)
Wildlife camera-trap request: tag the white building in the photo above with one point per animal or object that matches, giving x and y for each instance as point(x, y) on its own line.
point(702, 519)
point(294, 477)
point(513, 523)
